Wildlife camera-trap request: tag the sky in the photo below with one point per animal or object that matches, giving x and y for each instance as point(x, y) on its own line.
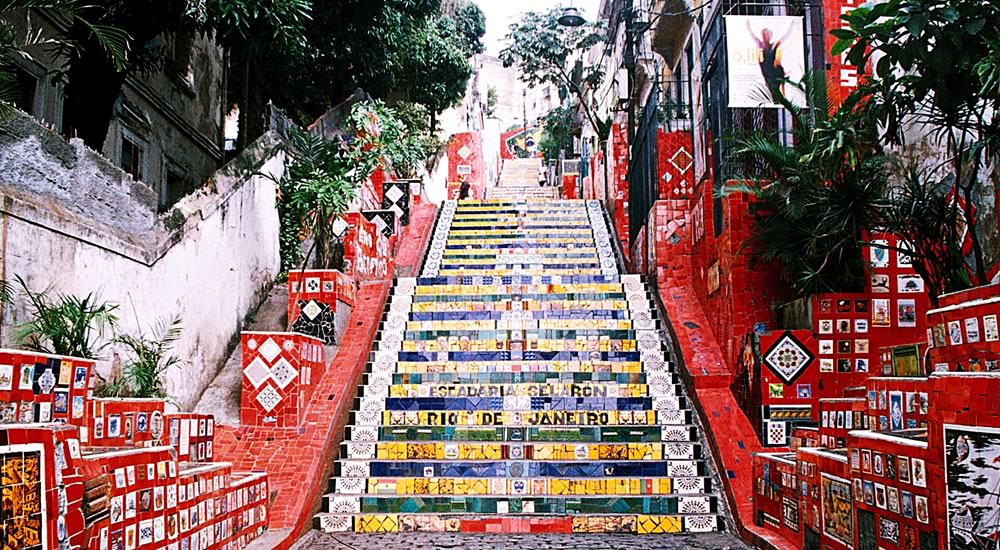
point(501, 13)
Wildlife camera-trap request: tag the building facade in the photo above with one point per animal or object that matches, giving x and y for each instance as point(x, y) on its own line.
point(167, 126)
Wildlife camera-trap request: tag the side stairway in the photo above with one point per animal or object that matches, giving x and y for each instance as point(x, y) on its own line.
point(519, 181)
point(521, 385)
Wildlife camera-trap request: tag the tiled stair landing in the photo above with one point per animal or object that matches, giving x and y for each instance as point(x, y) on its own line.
point(521, 385)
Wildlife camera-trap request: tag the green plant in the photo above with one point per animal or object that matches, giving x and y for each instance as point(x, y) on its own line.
point(112, 42)
point(148, 359)
point(938, 68)
point(818, 198)
point(543, 50)
point(556, 132)
point(64, 324)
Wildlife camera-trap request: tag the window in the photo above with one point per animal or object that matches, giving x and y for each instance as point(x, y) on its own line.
point(27, 86)
point(132, 155)
point(176, 185)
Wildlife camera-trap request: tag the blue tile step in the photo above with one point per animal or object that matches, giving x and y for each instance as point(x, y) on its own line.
point(526, 378)
point(601, 434)
point(372, 417)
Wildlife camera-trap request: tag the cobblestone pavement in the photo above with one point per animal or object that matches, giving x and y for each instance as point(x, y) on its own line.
point(443, 541)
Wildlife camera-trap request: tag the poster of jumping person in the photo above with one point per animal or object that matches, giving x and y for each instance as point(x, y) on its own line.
point(764, 54)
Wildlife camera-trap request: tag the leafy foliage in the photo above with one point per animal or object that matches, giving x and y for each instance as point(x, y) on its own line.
point(556, 132)
point(64, 324)
point(469, 22)
point(818, 198)
point(437, 69)
point(542, 49)
point(112, 41)
point(148, 359)
point(938, 68)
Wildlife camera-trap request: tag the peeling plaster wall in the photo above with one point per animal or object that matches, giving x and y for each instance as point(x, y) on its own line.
point(211, 259)
point(924, 150)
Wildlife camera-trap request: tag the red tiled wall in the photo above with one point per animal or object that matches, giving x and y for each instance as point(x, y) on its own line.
point(569, 186)
point(57, 447)
point(367, 254)
point(124, 422)
point(841, 77)
point(744, 294)
point(776, 497)
point(154, 498)
point(964, 331)
point(329, 285)
point(22, 400)
point(880, 490)
point(676, 164)
point(191, 435)
point(618, 187)
point(837, 417)
point(472, 144)
point(303, 353)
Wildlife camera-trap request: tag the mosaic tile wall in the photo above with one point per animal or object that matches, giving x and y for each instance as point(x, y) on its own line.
point(520, 384)
point(36, 387)
point(280, 373)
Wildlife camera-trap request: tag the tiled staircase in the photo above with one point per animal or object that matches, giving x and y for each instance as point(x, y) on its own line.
point(519, 181)
point(521, 385)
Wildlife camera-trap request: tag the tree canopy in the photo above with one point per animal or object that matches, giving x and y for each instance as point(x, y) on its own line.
point(543, 50)
point(305, 55)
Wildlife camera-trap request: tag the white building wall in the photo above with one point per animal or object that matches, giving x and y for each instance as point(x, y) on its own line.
point(212, 267)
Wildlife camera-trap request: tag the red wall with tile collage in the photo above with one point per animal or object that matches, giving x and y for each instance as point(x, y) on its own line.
point(280, 373)
point(36, 387)
point(367, 251)
point(465, 159)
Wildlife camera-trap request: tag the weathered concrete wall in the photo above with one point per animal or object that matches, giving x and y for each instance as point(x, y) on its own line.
point(72, 222)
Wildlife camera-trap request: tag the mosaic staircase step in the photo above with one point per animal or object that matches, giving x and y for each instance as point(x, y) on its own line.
point(519, 418)
point(643, 524)
point(547, 487)
point(392, 504)
point(394, 450)
point(603, 434)
point(521, 366)
point(490, 280)
point(675, 468)
point(520, 390)
point(521, 376)
point(527, 404)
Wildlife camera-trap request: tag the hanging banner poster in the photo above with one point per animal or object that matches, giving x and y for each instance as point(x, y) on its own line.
point(765, 54)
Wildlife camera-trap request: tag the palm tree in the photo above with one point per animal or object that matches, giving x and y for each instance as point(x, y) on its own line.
point(818, 198)
point(14, 44)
